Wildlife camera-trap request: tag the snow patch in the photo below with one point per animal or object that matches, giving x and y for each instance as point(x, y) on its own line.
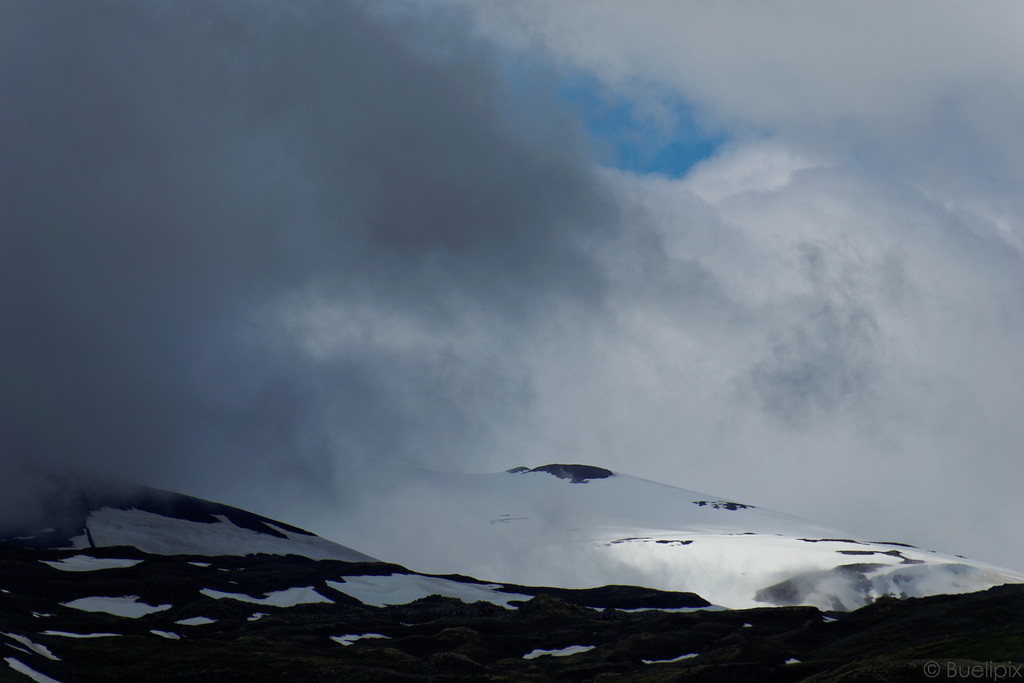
point(127, 606)
point(289, 597)
point(196, 621)
point(84, 563)
point(28, 671)
point(165, 634)
point(66, 634)
point(562, 652)
point(351, 638)
point(399, 589)
point(35, 647)
point(669, 661)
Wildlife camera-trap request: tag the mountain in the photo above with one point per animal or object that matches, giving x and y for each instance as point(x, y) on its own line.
point(132, 584)
point(580, 525)
point(574, 526)
point(88, 511)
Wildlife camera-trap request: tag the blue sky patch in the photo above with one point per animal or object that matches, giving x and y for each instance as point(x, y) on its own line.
point(628, 141)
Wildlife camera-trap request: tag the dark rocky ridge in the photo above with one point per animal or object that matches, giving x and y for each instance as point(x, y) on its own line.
point(576, 474)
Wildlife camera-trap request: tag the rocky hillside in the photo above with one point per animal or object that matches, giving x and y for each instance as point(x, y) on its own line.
point(119, 614)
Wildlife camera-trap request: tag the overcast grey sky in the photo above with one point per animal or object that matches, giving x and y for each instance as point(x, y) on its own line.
point(269, 253)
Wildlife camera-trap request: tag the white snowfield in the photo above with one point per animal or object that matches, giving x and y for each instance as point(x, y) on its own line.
point(535, 528)
point(160, 535)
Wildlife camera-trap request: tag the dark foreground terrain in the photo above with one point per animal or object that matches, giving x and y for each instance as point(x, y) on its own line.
point(977, 636)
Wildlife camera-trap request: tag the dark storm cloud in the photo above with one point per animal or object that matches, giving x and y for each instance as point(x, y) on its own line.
point(172, 171)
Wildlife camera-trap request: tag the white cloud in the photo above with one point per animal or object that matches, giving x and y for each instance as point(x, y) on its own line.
point(752, 167)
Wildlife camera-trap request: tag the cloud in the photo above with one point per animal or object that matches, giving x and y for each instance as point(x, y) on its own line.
point(928, 90)
point(844, 355)
point(881, 140)
point(824, 357)
point(187, 187)
point(827, 60)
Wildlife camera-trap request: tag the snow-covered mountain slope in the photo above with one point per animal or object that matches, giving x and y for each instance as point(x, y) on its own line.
point(578, 525)
point(572, 526)
point(94, 513)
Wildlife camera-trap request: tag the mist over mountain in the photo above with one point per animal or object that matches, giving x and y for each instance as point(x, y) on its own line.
point(163, 586)
point(327, 262)
point(566, 525)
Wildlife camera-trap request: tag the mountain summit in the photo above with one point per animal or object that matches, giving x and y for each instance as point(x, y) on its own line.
point(579, 526)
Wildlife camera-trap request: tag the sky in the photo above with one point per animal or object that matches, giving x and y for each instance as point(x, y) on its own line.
point(278, 254)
